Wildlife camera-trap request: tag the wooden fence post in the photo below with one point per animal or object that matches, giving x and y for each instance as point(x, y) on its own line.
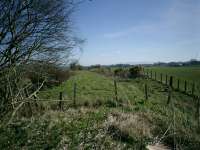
point(166, 80)
point(143, 71)
point(147, 73)
point(171, 82)
point(198, 111)
point(169, 95)
point(146, 92)
point(60, 102)
point(170, 89)
point(193, 88)
point(115, 87)
point(185, 87)
point(178, 84)
point(161, 77)
point(151, 74)
point(155, 76)
point(74, 92)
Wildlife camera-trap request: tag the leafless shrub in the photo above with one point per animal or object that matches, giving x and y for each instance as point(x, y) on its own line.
point(31, 30)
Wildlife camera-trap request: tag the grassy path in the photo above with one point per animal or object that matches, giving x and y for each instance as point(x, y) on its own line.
point(92, 87)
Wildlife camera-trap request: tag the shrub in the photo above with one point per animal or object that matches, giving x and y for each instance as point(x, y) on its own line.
point(37, 72)
point(75, 66)
point(135, 71)
point(102, 70)
point(95, 66)
point(122, 73)
point(118, 71)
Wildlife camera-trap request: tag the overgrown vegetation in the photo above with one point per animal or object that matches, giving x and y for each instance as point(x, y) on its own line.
point(128, 72)
point(99, 121)
point(44, 105)
point(131, 122)
point(53, 74)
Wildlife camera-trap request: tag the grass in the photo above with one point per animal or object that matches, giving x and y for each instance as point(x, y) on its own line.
point(190, 74)
point(93, 87)
point(101, 122)
point(71, 129)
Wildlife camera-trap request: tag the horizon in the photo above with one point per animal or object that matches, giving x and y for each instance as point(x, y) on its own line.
point(138, 31)
point(142, 63)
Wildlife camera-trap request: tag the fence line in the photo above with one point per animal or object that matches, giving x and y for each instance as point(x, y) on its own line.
point(27, 100)
point(74, 94)
point(188, 87)
point(116, 93)
point(146, 91)
point(60, 100)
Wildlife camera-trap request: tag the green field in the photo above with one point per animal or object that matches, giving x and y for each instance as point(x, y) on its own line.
point(100, 122)
point(95, 90)
point(190, 74)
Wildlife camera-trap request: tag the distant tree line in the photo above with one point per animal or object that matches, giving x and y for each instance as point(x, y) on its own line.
point(192, 62)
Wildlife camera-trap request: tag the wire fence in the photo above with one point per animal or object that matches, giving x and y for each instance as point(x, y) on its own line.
point(177, 111)
point(185, 86)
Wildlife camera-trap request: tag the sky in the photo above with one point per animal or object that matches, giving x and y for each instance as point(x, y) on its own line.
point(138, 31)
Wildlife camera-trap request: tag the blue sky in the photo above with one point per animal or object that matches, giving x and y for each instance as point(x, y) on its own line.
point(129, 31)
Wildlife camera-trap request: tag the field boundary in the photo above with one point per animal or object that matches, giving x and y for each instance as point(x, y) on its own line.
point(187, 87)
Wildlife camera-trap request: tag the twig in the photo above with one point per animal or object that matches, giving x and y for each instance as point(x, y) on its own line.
point(15, 111)
point(34, 93)
point(164, 134)
point(21, 104)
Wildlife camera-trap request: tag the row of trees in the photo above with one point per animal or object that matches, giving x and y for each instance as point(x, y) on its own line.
point(31, 31)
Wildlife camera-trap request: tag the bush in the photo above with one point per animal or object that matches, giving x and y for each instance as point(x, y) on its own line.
point(118, 71)
point(37, 72)
point(95, 66)
point(75, 66)
point(135, 72)
point(122, 73)
point(102, 70)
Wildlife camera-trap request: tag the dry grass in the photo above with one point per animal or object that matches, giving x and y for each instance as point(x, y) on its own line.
point(157, 147)
point(129, 126)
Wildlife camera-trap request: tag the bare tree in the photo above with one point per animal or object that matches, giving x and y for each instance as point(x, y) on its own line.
point(34, 29)
point(31, 29)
